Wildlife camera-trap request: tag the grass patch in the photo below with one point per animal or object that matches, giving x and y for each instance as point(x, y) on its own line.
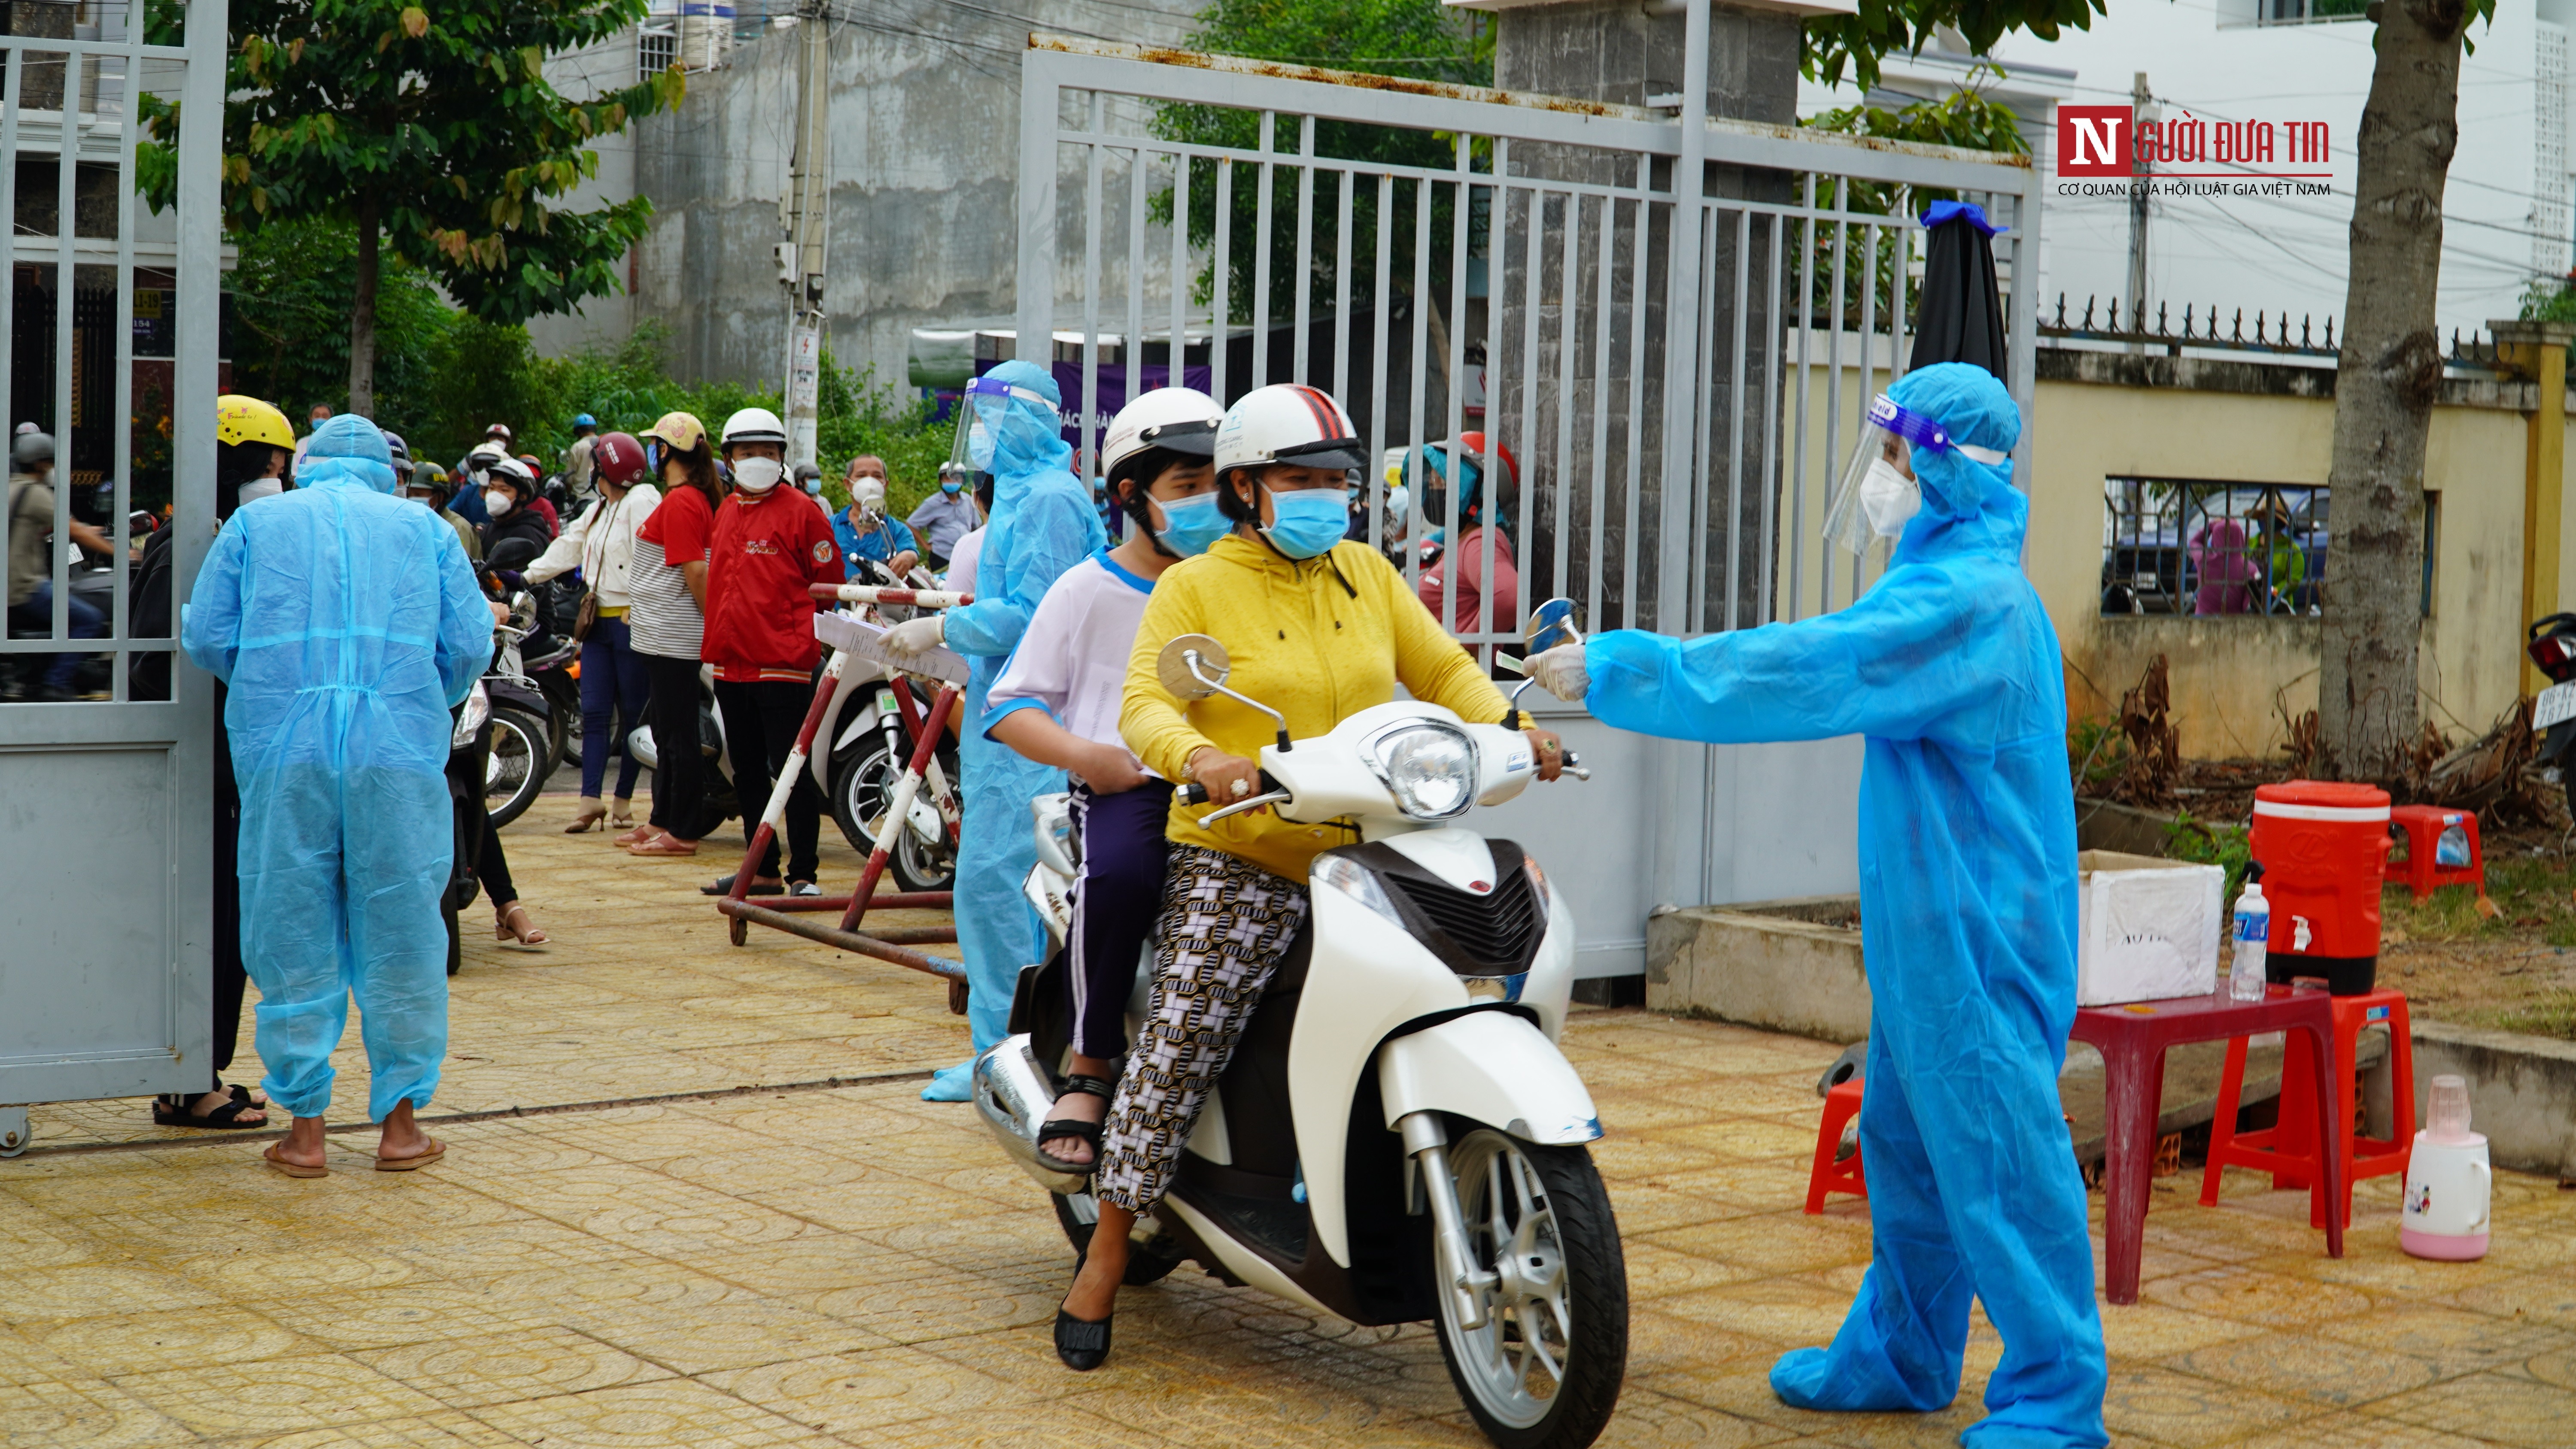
point(2532, 897)
point(2554, 1017)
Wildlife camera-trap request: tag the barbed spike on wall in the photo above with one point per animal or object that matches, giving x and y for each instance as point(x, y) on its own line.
point(2164, 328)
point(2088, 311)
point(2330, 342)
point(2238, 330)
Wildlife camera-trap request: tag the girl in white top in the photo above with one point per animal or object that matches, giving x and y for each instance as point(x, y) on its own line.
point(1057, 702)
point(602, 543)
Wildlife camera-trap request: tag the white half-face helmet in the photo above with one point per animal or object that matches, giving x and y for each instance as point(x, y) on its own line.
point(754, 425)
point(1288, 423)
point(1180, 419)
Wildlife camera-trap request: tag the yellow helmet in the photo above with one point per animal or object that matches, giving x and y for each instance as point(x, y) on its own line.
point(240, 418)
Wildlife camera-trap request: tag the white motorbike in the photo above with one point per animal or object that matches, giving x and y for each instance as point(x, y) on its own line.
point(1414, 1147)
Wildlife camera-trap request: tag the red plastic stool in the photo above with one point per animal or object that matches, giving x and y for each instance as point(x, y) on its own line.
point(1841, 1105)
point(2288, 1151)
point(2422, 869)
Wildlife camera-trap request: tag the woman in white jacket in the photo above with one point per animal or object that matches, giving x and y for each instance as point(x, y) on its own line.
point(602, 544)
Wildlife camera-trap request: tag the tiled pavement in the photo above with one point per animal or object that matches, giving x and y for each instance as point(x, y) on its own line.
point(815, 1266)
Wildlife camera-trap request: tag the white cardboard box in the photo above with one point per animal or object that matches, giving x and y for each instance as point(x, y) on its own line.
point(2149, 928)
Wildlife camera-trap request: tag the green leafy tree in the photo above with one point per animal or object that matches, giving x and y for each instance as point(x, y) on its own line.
point(1416, 39)
point(435, 135)
point(2390, 368)
point(1966, 118)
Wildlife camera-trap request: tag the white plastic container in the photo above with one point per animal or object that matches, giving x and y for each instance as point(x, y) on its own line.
point(2252, 929)
point(2449, 1184)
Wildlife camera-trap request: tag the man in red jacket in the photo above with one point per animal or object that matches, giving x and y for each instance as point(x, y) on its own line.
point(769, 544)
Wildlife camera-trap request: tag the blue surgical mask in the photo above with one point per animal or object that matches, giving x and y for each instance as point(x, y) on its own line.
point(1192, 525)
point(1306, 523)
point(950, 486)
point(979, 446)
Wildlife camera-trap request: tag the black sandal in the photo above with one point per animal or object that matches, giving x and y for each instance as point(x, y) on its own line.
point(172, 1111)
point(1075, 1127)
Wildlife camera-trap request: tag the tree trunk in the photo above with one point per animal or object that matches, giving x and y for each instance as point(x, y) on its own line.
point(2388, 377)
point(362, 316)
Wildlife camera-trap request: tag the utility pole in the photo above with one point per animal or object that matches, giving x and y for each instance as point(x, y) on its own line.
point(807, 217)
point(2141, 111)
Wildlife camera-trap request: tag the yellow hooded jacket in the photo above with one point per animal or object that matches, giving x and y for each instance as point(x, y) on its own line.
point(1317, 640)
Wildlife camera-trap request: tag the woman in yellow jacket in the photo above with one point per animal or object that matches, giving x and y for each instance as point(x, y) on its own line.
point(1318, 630)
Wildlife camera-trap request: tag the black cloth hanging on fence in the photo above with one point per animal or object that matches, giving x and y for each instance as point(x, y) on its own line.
point(1961, 315)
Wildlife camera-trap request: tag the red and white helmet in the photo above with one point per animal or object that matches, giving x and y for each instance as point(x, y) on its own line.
point(1287, 423)
point(1180, 419)
point(618, 459)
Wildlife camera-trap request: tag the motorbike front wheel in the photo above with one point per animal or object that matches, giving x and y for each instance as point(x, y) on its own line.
point(1147, 1262)
point(1544, 1370)
point(521, 753)
point(860, 789)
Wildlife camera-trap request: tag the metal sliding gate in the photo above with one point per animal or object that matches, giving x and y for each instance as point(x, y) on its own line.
point(111, 320)
point(1452, 261)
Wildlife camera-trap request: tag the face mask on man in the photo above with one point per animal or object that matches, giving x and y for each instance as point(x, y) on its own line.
point(1889, 498)
point(814, 486)
point(867, 495)
point(498, 501)
point(757, 475)
point(950, 486)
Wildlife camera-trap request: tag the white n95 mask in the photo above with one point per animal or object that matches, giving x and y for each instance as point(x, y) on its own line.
point(1889, 498)
point(757, 475)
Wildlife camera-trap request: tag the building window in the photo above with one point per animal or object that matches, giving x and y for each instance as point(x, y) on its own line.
point(2308, 12)
point(656, 47)
point(2178, 546)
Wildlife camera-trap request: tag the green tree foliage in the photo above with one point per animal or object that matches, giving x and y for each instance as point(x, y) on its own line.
point(1416, 39)
point(1833, 44)
point(1963, 118)
point(437, 136)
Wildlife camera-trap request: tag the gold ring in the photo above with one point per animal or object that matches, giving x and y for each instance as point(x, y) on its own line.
point(1548, 745)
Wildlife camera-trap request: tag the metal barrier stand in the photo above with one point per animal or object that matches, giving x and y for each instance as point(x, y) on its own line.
point(925, 727)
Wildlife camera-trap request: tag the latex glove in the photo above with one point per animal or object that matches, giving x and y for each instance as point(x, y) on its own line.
point(1560, 672)
point(915, 637)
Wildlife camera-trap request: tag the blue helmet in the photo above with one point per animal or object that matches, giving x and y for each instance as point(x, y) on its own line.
point(584, 420)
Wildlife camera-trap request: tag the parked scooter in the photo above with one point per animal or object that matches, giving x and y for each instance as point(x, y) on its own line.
point(869, 749)
point(1413, 1148)
point(2552, 647)
point(525, 737)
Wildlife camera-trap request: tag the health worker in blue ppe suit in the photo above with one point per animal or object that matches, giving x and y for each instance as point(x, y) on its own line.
point(1949, 670)
point(346, 623)
point(1042, 524)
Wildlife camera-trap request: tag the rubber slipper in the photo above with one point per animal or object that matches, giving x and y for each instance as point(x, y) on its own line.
point(437, 1150)
point(226, 1117)
point(724, 887)
point(291, 1169)
point(663, 845)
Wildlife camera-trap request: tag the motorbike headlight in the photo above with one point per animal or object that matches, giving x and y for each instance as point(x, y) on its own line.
point(1430, 767)
point(1348, 877)
point(472, 718)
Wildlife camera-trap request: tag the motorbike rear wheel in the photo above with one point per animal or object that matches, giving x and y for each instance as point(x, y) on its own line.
point(521, 756)
point(1150, 1261)
point(1545, 1369)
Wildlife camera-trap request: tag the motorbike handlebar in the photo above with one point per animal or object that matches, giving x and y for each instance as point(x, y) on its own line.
point(1195, 793)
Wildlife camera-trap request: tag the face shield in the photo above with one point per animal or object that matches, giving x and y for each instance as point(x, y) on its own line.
point(987, 413)
point(1878, 493)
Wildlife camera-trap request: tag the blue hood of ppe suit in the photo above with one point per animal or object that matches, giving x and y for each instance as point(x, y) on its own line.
point(1043, 523)
point(347, 622)
point(1950, 670)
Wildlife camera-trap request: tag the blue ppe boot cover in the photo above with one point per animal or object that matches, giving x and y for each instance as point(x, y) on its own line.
point(1950, 671)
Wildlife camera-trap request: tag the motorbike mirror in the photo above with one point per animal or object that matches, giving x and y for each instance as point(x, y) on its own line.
point(1550, 625)
point(1193, 666)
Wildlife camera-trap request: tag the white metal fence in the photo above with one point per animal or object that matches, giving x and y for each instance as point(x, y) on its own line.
point(1450, 261)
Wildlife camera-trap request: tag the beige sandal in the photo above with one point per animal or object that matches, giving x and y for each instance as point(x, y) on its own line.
point(414, 1163)
point(592, 812)
point(621, 814)
point(515, 935)
point(291, 1169)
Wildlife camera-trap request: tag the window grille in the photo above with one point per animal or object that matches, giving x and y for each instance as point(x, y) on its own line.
point(2172, 546)
point(656, 48)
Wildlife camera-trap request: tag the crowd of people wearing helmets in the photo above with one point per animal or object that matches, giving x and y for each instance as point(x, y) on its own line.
point(345, 624)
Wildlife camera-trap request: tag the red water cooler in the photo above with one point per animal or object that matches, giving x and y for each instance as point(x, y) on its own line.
point(2323, 848)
